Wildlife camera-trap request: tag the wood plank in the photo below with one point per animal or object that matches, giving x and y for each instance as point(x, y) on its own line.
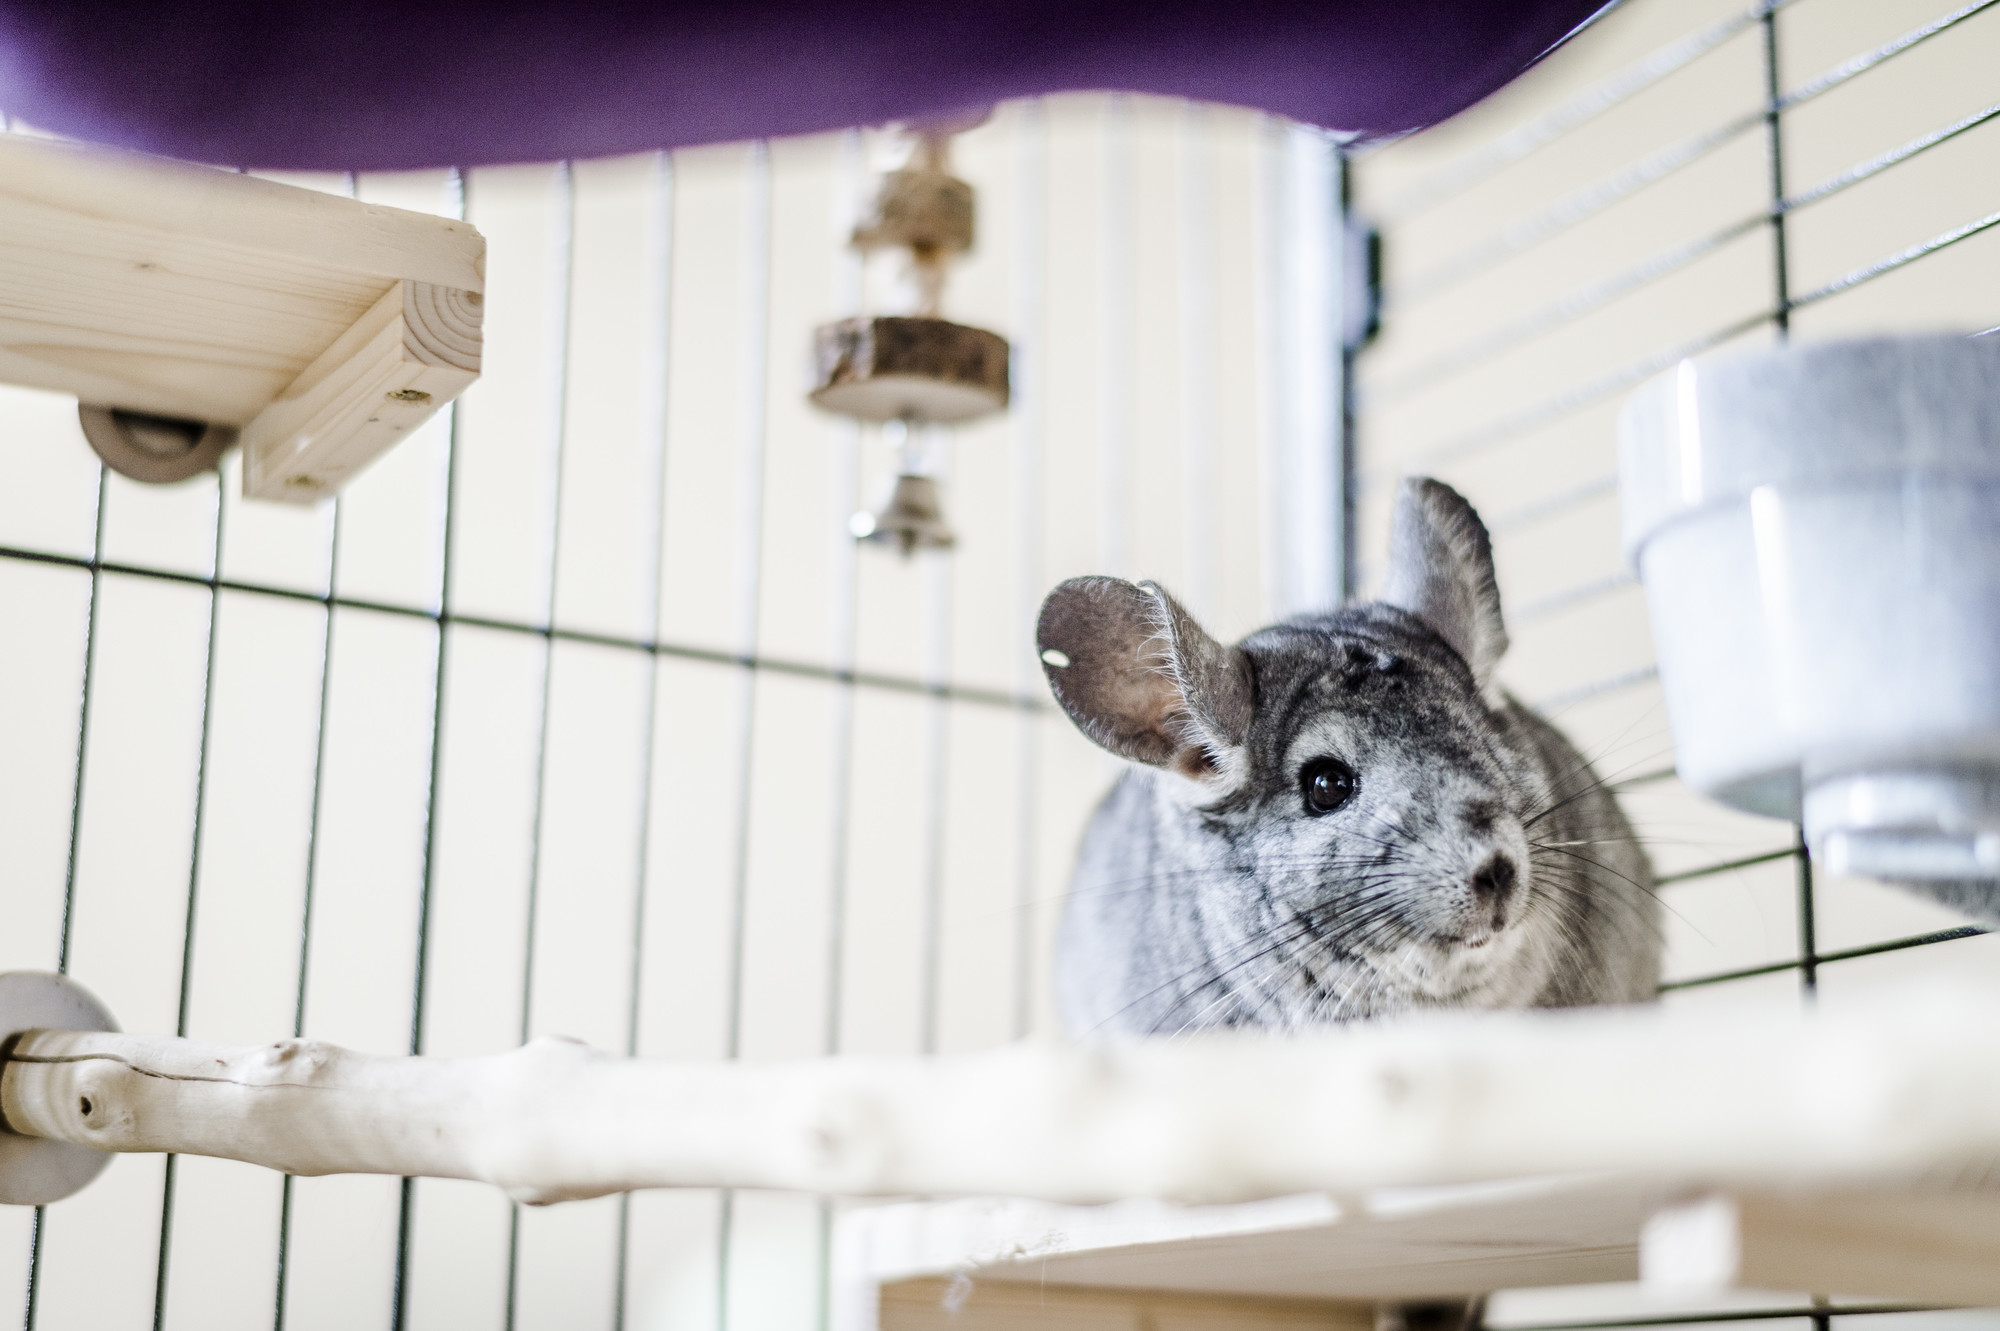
point(1406, 1244)
point(179, 324)
point(415, 350)
point(1922, 1244)
point(963, 1304)
point(282, 222)
point(1932, 1244)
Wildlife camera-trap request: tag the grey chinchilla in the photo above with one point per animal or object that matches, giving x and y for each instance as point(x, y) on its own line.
point(1341, 816)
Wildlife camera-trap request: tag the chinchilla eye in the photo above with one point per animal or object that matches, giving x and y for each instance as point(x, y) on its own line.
point(1328, 783)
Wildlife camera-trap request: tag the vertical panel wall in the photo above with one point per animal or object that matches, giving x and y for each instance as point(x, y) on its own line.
point(1682, 178)
point(580, 712)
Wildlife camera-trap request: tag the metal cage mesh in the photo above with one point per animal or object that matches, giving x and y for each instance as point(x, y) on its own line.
point(581, 712)
point(1679, 179)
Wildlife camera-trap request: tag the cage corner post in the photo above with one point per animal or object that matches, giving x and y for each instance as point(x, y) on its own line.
point(1314, 456)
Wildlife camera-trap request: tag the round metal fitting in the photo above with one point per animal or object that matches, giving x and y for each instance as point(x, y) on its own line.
point(35, 1171)
point(157, 450)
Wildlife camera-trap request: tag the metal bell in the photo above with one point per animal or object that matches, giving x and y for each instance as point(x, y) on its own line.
point(912, 518)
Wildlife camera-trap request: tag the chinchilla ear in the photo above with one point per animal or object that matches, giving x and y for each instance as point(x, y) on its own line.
point(1139, 676)
point(1441, 570)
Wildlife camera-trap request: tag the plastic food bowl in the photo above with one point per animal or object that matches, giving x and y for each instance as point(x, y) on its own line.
point(1818, 532)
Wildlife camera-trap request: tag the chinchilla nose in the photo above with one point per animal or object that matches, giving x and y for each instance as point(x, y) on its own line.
point(1494, 881)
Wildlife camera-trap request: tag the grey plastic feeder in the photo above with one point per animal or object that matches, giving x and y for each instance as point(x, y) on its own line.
point(1818, 532)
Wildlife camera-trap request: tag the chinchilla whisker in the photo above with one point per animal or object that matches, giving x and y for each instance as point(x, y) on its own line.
point(1583, 772)
point(1576, 887)
point(1227, 993)
point(1205, 875)
point(1196, 1020)
point(1616, 841)
point(1576, 884)
point(1663, 749)
point(1249, 988)
point(1264, 947)
point(1573, 886)
point(1558, 805)
point(1601, 867)
point(1592, 783)
point(1145, 882)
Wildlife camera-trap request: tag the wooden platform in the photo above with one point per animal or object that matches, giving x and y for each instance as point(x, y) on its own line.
point(1319, 1261)
point(322, 327)
point(1823, 1153)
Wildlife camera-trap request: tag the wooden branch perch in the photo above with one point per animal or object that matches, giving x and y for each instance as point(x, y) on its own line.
point(1907, 1092)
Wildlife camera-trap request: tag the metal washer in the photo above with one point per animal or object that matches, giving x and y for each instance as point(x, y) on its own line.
point(158, 450)
point(33, 1170)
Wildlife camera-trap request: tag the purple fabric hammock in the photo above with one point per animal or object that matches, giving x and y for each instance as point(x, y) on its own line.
point(381, 84)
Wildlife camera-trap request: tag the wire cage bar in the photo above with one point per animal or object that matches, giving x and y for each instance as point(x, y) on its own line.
point(625, 738)
point(1612, 223)
point(551, 776)
point(1563, 394)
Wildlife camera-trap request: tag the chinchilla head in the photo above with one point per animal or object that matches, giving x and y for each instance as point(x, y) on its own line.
point(1335, 817)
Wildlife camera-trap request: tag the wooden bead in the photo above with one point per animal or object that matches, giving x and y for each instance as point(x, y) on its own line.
point(916, 369)
point(927, 210)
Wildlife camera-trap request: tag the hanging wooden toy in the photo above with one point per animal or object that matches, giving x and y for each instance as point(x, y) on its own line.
point(908, 371)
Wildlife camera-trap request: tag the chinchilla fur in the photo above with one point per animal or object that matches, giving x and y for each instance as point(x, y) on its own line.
point(1341, 816)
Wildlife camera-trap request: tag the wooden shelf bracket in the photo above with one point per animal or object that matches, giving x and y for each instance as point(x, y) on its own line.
point(320, 329)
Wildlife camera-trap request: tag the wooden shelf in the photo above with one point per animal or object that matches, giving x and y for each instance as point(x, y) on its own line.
point(1323, 1261)
point(323, 328)
point(1850, 1153)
